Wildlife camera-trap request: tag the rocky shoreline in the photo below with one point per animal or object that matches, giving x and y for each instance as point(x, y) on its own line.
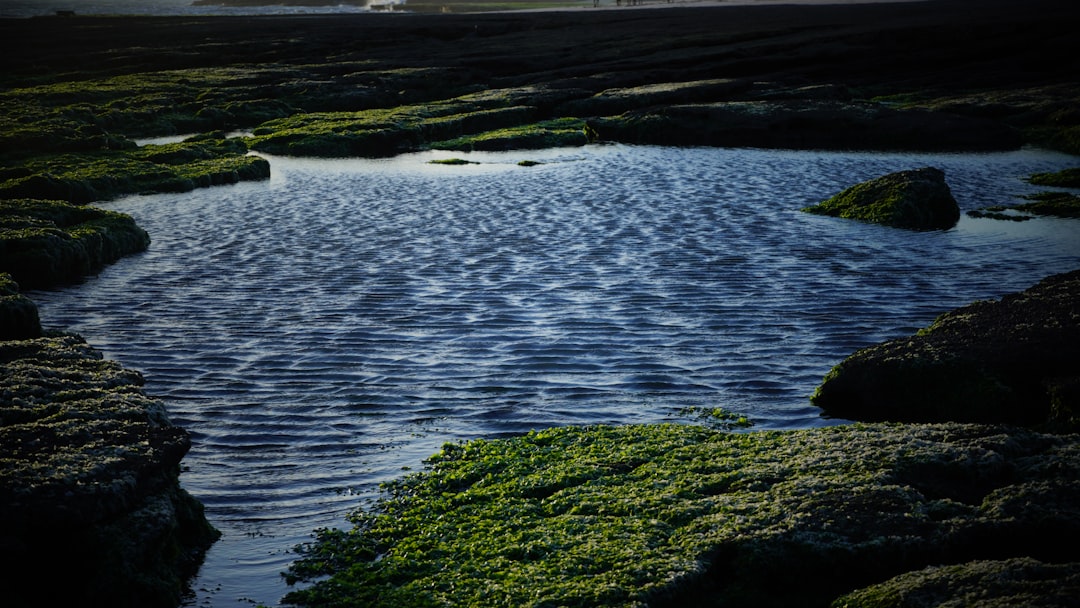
point(89, 486)
point(877, 514)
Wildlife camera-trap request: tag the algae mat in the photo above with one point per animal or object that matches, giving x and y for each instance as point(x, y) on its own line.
point(668, 514)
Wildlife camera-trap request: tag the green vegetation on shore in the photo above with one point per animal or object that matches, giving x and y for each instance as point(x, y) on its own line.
point(669, 515)
point(45, 243)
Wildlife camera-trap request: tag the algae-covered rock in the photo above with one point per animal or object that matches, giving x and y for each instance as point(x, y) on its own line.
point(1011, 360)
point(674, 515)
point(89, 491)
point(18, 313)
point(918, 199)
point(44, 243)
point(984, 584)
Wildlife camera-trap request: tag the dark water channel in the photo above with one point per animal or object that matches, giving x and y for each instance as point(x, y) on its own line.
point(328, 329)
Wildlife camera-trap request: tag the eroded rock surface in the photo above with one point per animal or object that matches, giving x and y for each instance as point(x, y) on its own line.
point(918, 199)
point(89, 493)
point(1011, 360)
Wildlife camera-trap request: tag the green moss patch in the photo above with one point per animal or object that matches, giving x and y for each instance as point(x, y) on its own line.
point(43, 243)
point(918, 199)
point(103, 175)
point(667, 515)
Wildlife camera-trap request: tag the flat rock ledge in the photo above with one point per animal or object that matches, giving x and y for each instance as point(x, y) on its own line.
point(917, 199)
point(678, 515)
point(1012, 360)
point(89, 494)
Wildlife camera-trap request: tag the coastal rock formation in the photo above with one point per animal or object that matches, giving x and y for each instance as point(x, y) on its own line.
point(918, 199)
point(1013, 360)
point(676, 515)
point(44, 243)
point(994, 583)
point(18, 313)
point(89, 493)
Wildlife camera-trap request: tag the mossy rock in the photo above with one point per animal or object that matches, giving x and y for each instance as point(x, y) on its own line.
point(89, 483)
point(990, 361)
point(1067, 178)
point(675, 515)
point(918, 199)
point(45, 243)
point(984, 584)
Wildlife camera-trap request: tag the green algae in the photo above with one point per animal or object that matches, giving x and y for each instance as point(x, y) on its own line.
point(669, 514)
point(102, 175)
point(917, 199)
point(544, 134)
point(1067, 178)
point(44, 243)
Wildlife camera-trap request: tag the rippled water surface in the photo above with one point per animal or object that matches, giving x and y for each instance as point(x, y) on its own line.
point(320, 332)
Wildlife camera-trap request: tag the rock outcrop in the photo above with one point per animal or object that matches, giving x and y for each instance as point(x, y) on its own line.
point(676, 515)
point(1008, 361)
point(92, 510)
point(918, 199)
point(18, 313)
point(45, 243)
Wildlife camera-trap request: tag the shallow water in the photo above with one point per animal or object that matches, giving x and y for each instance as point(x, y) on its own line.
point(330, 328)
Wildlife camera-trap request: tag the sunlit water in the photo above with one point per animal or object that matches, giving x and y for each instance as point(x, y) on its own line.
point(328, 329)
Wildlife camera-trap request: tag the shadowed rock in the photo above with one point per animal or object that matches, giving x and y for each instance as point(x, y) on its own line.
point(918, 199)
point(89, 490)
point(18, 314)
point(1012, 360)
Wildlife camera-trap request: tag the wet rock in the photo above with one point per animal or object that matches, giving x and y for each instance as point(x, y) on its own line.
point(677, 515)
point(1011, 360)
point(918, 199)
point(89, 490)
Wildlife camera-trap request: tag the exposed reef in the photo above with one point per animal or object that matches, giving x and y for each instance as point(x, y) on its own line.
point(1012, 360)
point(89, 490)
point(918, 199)
point(45, 243)
point(377, 85)
point(671, 515)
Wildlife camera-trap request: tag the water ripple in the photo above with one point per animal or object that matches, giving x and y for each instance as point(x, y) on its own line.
point(321, 332)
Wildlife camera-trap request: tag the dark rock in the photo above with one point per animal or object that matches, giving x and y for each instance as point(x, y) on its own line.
point(1012, 360)
point(18, 314)
point(918, 199)
point(809, 123)
point(89, 486)
point(986, 584)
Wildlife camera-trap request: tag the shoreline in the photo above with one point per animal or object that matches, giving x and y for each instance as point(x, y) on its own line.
point(842, 73)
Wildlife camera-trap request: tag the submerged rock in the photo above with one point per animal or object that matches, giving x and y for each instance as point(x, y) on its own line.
point(1013, 360)
point(674, 515)
point(89, 493)
point(918, 199)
